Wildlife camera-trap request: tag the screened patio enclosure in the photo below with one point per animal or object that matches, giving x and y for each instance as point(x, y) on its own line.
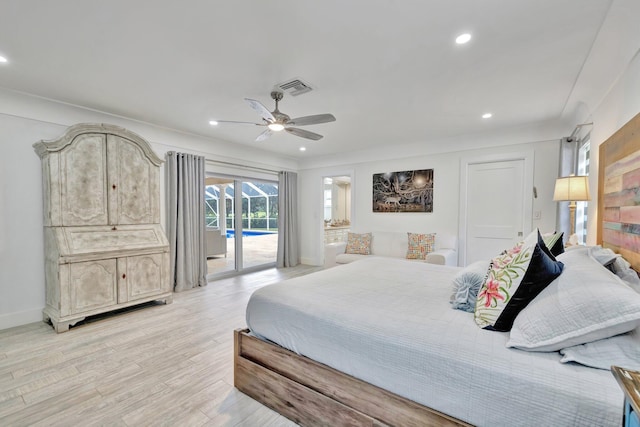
point(253, 212)
point(259, 206)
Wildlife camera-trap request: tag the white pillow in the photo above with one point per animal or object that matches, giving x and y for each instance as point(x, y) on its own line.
point(621, 350)
point(585, 303)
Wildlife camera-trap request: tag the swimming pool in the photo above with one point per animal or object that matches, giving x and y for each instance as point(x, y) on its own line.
point(231, 233)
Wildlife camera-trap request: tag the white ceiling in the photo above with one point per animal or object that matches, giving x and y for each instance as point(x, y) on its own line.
point(389, 70)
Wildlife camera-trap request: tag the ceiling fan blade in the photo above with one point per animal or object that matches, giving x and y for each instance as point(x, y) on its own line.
point(242, 123)
point(304, 133)
point(312, 120)
point(264, 135)
point(260, 109)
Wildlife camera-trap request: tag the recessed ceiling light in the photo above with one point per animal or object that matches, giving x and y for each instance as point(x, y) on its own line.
point(303, 149)
point(463, 38)
point(487, 115)
point(3, 59)
point(213, 123)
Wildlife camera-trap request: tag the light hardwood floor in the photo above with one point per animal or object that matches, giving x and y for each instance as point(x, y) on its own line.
point(161, 365)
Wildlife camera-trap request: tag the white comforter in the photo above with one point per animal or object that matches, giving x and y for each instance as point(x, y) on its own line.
point(389, 322)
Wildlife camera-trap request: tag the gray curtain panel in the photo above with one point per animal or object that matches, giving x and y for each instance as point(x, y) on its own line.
point(185, 220)
point(288, 246)
point(565, 168)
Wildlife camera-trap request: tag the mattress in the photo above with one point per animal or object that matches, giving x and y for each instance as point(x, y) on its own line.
point(389, 323)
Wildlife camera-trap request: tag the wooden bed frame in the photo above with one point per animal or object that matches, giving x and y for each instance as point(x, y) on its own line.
point(313, 394)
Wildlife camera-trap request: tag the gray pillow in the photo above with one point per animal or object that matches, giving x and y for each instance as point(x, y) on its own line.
point(623, 270)
point(466, 285)
point(618, 266)
point(605, 256)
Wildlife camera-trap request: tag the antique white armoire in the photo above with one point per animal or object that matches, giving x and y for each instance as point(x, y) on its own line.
point(104, 246)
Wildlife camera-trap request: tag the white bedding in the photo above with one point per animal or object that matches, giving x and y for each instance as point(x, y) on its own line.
point(389, 322)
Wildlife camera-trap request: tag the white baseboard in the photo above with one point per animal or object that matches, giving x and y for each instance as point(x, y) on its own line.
point(311, 261)
point(19, 318)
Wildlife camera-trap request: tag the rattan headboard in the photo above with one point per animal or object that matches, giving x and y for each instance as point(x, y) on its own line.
point(619, 192)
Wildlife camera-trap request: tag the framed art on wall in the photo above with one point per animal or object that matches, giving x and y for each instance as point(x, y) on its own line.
point(406, 191)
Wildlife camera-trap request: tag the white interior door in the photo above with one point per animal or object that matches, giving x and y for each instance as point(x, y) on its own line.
point(496, 208)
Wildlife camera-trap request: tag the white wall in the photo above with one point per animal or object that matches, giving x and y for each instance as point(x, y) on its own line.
point(621, 104)
point(25, 120)
point(443, 219)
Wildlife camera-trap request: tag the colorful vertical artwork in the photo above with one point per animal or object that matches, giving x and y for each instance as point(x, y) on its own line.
point(621, 206)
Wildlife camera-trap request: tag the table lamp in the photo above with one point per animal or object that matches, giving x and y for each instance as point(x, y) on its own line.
point(572, 189)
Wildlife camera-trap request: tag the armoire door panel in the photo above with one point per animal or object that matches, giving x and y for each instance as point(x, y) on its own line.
point(141, 276)
point(133, 184)
point(83, 177)
point(92, 285)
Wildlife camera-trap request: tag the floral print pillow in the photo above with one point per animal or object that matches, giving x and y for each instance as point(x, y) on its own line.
point(515, 278)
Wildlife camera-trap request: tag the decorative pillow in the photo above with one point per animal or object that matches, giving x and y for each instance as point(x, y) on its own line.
point(466, 285)
point(513, 281)
point(623, 270)
point(621, 350)
point(420, 245)
point(358, 244)
point(617, 265)
point(604, 256)
point(553, 241)
point(586, 303)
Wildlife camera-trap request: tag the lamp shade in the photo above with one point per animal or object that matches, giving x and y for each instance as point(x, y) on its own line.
point(572, 188)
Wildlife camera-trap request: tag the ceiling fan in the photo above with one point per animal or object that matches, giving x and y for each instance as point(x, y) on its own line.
point(275, 121)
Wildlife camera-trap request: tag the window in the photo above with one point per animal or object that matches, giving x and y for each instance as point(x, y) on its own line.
point(211, 211)
point(327, 200)
point(581, 207)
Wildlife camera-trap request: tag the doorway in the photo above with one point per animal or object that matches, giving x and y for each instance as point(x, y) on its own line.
point(242, 224)
point(337, 208)
point(495, 205)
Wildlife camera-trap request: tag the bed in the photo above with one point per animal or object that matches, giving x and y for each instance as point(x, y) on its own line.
point(377, 343)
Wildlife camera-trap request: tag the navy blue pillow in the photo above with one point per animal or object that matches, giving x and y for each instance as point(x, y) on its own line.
point(554, 243)
point(542, 270)
point(515, 278)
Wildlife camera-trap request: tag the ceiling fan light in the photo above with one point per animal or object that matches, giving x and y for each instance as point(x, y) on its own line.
point(213, 123)
point(276, 127)
point(463, 38)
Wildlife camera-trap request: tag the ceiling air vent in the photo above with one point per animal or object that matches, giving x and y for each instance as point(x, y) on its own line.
point(295, 87)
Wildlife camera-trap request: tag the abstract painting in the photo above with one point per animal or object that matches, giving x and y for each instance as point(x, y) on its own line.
point(406, 191)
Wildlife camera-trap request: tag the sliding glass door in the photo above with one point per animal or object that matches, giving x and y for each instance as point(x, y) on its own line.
point(245, 212)
point(259, 223)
